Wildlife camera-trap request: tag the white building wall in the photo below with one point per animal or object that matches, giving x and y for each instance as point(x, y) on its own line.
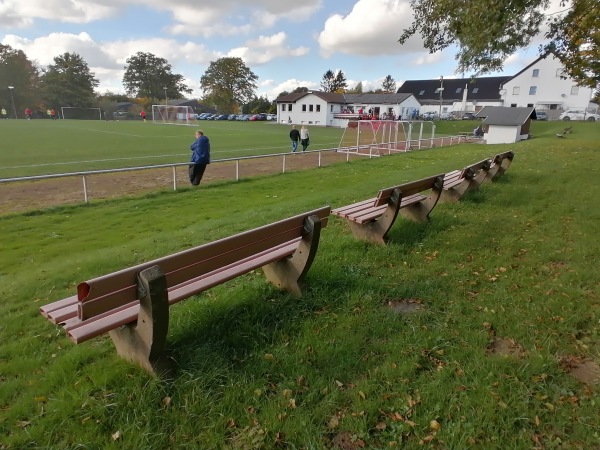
point(502, 134)
point(541, 86)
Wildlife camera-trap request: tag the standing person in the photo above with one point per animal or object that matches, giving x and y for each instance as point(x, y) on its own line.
point(27, 113)
point(49, 113)
point(295, 137)
point(143, 114)
point(304, 137)
point(4, 113)
point(200, 157)
point(53, 114)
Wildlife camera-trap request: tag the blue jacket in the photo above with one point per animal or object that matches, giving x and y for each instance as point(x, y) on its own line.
point(201, 151)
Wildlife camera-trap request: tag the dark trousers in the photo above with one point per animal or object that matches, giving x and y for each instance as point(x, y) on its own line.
point(196, 172)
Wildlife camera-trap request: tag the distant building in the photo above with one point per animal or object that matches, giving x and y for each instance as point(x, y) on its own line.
point(544, 85)
point(458, 95)
point(333, 109)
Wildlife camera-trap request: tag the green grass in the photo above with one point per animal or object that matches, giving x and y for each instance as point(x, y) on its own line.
point(517, 260)
point(41, 147)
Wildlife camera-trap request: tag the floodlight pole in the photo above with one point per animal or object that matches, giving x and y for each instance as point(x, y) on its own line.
point(441, 92)
point(10, 88)
point(165, 88)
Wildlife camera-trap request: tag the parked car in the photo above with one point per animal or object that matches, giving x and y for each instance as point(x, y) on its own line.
point(541, 115)
point(578, 114)
point(469, 116)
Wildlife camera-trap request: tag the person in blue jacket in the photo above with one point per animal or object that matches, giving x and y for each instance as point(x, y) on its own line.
point(200, 157)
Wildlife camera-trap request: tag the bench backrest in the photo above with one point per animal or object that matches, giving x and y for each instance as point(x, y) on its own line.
point(501, 156)
point(410, 188)
point(472, 170)
point(121, 288)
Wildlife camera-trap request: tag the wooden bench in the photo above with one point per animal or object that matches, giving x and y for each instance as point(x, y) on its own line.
point(371, 219)
point(458, 182)
point(500, 163)
point(132, 305)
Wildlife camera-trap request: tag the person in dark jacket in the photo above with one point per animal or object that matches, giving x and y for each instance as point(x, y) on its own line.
point(200, 157)
point(295, 137)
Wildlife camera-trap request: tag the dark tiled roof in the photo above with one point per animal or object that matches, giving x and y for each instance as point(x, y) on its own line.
point(481, 89)
point(502, 115)
point(333, 97)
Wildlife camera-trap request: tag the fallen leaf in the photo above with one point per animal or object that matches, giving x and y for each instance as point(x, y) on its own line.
point(434, 425)
point(334, 422)
point(166, 401)
point(380, 426)
point(116, 435)
point(362, 395)
point(23, 423)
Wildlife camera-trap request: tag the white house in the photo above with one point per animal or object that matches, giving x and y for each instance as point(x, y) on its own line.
point(544, 85)
point(502, 125)
point(333, 109)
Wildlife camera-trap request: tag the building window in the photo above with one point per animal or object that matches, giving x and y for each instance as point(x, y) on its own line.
point(283, 107)
point(513, 105)
point(516, 90)
point(536, 73)
point(458, 90)
point(574, 90)
point(475, 90)
point(290, 107)
point(421, 93)
point(530, 105)
point(310, 108)
point(303, 108)
point(532, 90)
point(318, 108)
point(331, 108)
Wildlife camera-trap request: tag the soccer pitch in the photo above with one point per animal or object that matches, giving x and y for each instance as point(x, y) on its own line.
point(43, 147)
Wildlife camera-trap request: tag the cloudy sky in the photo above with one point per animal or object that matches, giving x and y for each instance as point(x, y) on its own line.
point(286, 43)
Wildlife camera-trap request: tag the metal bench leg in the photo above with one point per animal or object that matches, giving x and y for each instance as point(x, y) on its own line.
point(376, 230)
point(144, 342)
point(287, 273)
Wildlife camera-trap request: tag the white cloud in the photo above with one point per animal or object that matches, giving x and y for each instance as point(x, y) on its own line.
point(288, 86)
point(372, 28)
point(18, 13)
point(428, 59)
point(266, 48)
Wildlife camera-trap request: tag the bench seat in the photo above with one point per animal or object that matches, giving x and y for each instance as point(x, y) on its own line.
point(500, 163)
point(132, 305)
point(372, 219)
point(458, 182)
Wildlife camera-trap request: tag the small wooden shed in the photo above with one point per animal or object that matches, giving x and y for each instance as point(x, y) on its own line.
point(504, 125)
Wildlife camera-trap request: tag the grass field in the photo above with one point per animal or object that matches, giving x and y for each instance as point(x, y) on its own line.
point(40, 147)
point(506, 282)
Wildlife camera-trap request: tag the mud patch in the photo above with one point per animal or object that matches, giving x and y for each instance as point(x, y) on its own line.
point(585, 370)
point(346, 441)
point(405, 306)
point(505, 347)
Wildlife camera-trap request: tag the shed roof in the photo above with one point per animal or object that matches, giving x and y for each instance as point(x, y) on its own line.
point(502, 115)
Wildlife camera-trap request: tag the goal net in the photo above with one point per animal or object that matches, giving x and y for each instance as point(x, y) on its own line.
point(177, 115)
point(75, 112)
point(383, 137)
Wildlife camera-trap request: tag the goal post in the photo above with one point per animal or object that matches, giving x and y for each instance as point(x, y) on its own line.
point(174, 115)
point(79, 113)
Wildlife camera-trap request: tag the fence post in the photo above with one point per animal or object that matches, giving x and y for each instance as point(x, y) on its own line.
point(237, 170)
point(85, 192)
point(283, 168)
point(174, 179)
point(320, 157)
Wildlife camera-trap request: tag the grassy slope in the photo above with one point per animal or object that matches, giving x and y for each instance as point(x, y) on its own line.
point(517, 259)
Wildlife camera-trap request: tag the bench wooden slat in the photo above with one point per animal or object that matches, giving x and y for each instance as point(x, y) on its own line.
point(376, 212)
point(202, 258)
point(344, 211)
point(50, 309)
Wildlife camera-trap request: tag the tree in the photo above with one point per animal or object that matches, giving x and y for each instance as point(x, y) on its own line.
point(358, 89)
point(486, 33)
point(300, 89)
point(388, 85)
point(147, 75)
point(69, 82)
point(258, 105)
point(20, 73)
point(228, 83)
point(334, 82)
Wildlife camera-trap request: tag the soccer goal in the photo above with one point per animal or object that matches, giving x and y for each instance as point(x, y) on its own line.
point(77, 113)
point(175, 115)
point(381, 137)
